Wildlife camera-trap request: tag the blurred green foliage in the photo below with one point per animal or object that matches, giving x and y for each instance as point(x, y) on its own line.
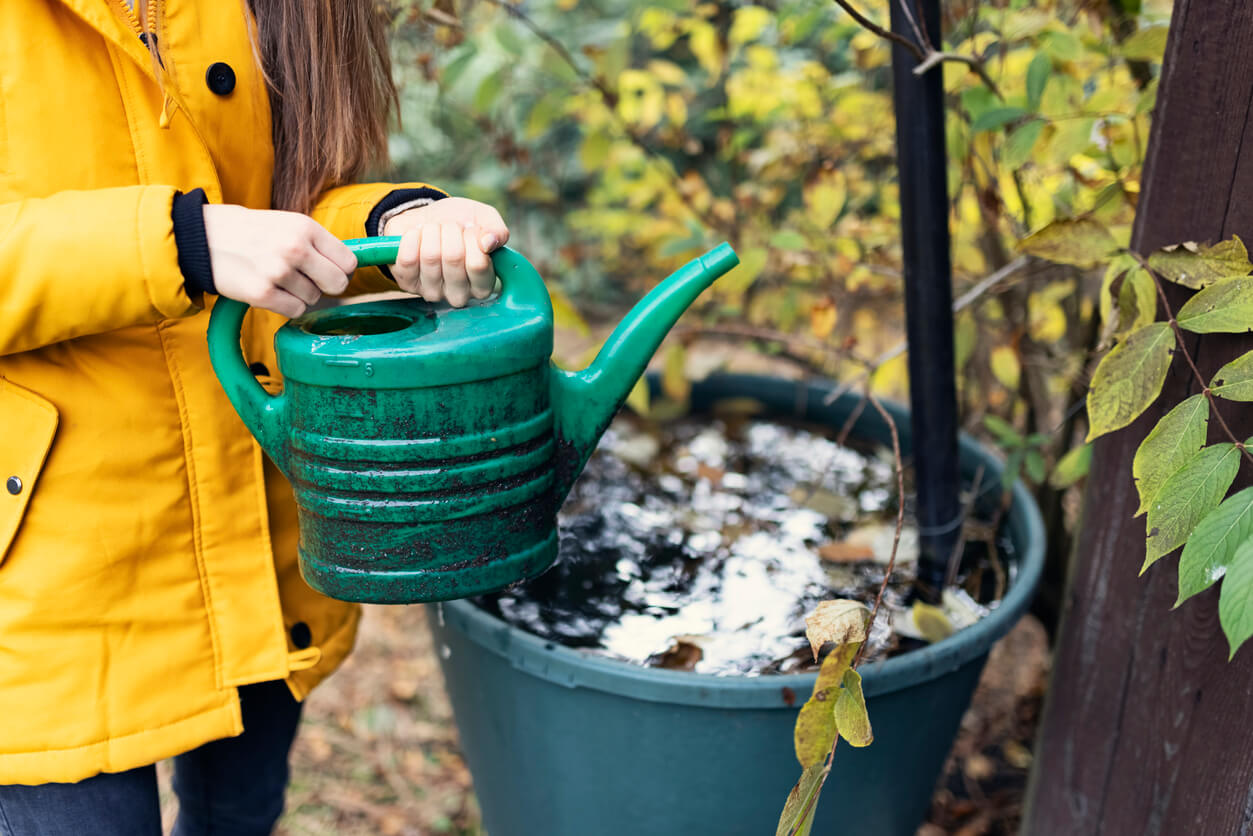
point(621, 139)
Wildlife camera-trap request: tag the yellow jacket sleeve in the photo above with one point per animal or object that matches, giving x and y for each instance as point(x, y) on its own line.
point(344, 211)
point(85, 262)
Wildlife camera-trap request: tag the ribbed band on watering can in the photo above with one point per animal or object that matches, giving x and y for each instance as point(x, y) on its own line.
point(429, 446)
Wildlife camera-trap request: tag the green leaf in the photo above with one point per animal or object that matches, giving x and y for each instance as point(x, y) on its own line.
point(1034, 465)
point(798, 812)
point(1186, 497)
point(1196, 267)
point(1128, 298)
point(850, 712)
point(1082, 242)
point(1073, 136)
point(814, 734)
point(1137, 301)
point(1234, 381)
point(1226, 307)
point(1211, 548)
point(1169, 446)
point(1071, 467)
point(1061, 44)
point(1145, 45)
point(1013, 467)
point(978, 100)
point(1004, 432)
point(739, 280)
point(997, 117)
point(788, 239)
point(1129, 378)
point(1235, 601)
point(1020, 142)
point(1037, 77)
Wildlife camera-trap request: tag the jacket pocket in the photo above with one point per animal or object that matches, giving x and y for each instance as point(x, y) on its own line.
point(27, 426)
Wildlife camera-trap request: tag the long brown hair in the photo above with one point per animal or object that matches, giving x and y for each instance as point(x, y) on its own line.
point(331, 92)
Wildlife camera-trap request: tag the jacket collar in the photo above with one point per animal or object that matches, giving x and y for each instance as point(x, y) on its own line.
point(109, 18)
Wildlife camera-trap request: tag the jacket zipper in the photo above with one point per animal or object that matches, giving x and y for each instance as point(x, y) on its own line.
point(148, 39)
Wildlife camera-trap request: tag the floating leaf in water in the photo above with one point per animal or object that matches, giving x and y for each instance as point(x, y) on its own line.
point(682, 655)
point(845, 552)
point(933, 625)
point(841, 621)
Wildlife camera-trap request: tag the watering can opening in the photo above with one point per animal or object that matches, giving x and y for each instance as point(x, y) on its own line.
point(345, 322)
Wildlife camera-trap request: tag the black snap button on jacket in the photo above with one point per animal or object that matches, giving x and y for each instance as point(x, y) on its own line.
point(301, 635)
point(220, 78)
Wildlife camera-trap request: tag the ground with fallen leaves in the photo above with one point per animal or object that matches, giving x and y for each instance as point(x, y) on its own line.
point(378, 750)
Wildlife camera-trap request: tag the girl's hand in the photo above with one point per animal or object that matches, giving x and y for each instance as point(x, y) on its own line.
point(280, 261)
point(444, 247)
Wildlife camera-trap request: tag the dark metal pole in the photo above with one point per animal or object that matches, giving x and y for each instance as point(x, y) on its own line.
point(923, 165)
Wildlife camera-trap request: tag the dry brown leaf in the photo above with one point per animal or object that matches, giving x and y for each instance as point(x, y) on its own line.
point(844, 552)
point(683, 655)
point(841, 621)
point(713, 474)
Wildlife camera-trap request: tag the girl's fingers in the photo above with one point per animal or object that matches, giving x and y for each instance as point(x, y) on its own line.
point(456, 282)
point(282, 302)
point(324, 272)
point(494, 233)
point(405, 270)
point(300, 286)
point(335, 251)
point(478, 265)
point(431, 264)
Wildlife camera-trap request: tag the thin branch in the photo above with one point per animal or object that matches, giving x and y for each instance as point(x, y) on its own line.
point(954, 558)
point(913, 48)
point(793, 342)
point(919, 32)
point(976, 65)
point(887, 574)
point(899, 463)
point(964, 301)
point(923, 50)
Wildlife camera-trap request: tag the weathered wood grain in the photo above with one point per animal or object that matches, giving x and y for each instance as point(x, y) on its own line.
point(1145, 730)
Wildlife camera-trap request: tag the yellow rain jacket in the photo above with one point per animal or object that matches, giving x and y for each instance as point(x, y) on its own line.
point(147, 550)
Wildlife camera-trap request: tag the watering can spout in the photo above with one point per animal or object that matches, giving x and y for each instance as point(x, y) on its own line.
point(585, 402)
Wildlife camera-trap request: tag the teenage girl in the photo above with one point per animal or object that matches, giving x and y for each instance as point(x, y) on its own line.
point(151, 160)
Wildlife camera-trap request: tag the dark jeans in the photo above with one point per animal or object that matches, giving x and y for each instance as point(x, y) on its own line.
point(230, 787)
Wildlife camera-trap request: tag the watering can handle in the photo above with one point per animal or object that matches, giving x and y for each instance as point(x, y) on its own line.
point(521, 289)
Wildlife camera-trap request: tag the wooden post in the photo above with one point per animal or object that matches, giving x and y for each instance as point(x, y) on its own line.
point(1145, 729)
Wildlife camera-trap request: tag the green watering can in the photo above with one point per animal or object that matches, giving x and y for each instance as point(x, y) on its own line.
point(430, 446)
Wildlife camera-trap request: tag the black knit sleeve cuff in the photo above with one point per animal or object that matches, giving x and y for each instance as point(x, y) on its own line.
point(187, 214)
point(397, 201)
